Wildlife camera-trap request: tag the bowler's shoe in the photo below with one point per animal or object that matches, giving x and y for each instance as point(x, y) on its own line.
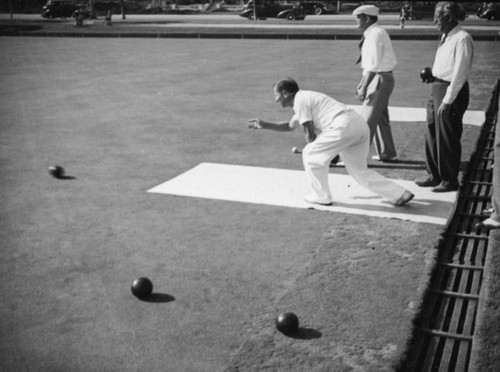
point(385, 159)
point(403, 199)
point(334, 161)
point(427, 182)
point(487, 211)
point(311, 199)
point(445, 187)
point(489, 224)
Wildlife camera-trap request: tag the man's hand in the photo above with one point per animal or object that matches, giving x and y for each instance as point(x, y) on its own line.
point(310, 137)
point(309, 131)
point(444, 110)
point(294, 121)
point(361, 93)
point(255, 123)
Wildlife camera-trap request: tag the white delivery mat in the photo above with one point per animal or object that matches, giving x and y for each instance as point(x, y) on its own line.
point(286, 188)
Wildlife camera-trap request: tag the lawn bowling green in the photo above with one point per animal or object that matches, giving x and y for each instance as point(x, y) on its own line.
point(126, 115)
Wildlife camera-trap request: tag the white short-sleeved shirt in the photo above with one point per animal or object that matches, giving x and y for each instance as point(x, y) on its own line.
point(377, 53)
point(316, 107)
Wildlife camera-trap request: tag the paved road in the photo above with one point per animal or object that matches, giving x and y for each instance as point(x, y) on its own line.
point(230, 26)
point(330, 21)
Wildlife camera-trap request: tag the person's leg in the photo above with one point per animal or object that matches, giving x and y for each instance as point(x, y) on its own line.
point(493, 221)
point(450, 134)
point(354, 157)
point(495, 198)
point(316, 157)
point(431, 145)
point(384, 142)
point(376, 113)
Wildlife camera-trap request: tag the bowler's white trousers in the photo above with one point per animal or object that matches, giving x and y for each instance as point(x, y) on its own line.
point(348, 136)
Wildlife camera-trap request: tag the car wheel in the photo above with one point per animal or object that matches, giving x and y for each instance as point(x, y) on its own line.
point(250, 17)
point(318, 10)
point(290, 16)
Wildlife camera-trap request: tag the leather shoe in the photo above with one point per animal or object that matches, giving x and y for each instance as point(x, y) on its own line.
point(312, 200)
point(335, 160)
point(427, 182)
point(403, 199)
point(488, 224)
point(385, 159)
point(445, 187)
point(487, 211)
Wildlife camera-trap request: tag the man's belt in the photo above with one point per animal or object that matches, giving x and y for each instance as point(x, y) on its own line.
point(438, 80)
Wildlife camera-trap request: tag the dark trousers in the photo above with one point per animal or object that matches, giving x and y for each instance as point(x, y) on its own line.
point(495, 197)
point(443, 150)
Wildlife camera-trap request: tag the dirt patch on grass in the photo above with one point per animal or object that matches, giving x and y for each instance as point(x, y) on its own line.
point(355, 300)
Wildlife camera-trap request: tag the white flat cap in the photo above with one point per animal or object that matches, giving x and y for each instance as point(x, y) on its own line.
point(366, 9)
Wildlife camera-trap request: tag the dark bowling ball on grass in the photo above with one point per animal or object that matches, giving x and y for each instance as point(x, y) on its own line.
point(426, 75)
point(142, 288)
point(56, 171)
point(287, 323)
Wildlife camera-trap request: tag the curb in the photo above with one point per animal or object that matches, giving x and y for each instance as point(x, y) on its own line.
point(155, 31)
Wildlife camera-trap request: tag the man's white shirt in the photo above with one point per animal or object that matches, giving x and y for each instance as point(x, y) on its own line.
point(453, 61)
point(377, 53)
point(316, 107)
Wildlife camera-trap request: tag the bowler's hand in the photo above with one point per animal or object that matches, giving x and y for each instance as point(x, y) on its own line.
point(294, 121)
point(444, 110)
point(255, 123)
point(310, 137)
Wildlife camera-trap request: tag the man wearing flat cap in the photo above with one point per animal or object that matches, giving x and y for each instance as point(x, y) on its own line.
point(377, 82)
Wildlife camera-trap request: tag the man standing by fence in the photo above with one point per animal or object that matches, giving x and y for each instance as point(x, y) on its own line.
point(449, 100)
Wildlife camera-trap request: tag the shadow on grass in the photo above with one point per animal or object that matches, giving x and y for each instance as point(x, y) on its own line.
point(158, 298)
point(395, 164)
point(400, 164)
point(306, 334)
point(403, 164)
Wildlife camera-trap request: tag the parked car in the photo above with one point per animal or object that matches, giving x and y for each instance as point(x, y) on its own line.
point(106, 6)
point(313, 7)
point(419, 9)
point(273, 10)
point(489, 11)
point(347, 7)
point(59, 9)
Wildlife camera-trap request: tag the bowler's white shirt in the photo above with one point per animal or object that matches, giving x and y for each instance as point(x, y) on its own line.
point(316, 107)
point(453, 61)
point(377, 54)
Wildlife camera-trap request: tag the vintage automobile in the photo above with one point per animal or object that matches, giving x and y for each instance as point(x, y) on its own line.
point(416, 10)
point(273, 10)
point(68, 8)
point(489, 11)
point(313, 7)
point(59, 9)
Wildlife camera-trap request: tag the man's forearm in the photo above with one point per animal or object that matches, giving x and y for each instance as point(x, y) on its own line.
point(283, 126)
point(366, 80)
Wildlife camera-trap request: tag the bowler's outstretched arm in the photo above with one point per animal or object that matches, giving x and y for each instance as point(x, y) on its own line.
point(283, 126)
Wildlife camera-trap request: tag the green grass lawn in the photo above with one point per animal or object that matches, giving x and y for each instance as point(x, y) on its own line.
point(124, 115)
